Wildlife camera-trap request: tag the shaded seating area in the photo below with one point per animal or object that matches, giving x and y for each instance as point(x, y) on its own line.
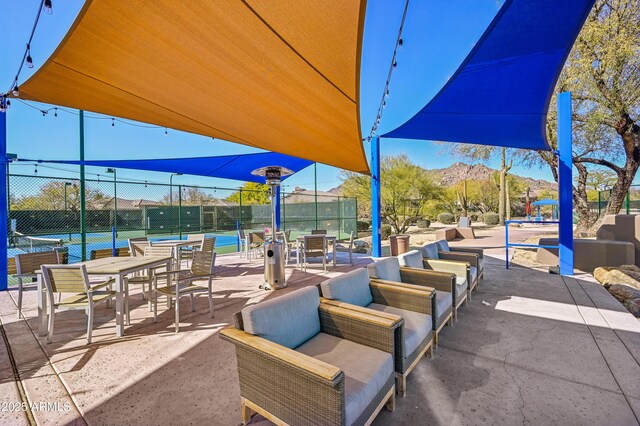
point(301, 361)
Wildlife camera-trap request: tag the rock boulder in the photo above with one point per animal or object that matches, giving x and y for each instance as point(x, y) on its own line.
point(624, 293)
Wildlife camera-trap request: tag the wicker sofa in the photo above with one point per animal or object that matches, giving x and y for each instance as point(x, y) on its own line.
point(414, 338)
point(414, 259)
point(302, 362)
point(388, 269)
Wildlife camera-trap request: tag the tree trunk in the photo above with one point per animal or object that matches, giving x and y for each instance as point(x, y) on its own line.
point(507, 200)
point(504, 169)
point(580, 204)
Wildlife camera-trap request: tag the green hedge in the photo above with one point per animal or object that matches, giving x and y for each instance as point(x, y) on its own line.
point(446, 218)
point(491, 218)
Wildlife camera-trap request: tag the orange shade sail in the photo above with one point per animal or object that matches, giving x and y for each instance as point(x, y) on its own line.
point(278, 75)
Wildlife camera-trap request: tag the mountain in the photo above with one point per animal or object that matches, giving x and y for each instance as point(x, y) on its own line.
point(460, 171)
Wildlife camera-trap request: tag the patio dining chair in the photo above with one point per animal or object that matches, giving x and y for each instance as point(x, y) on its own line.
point(73, 279)
point(182, 283)
point(137, 245)
point(303, 362)
point(256, 243)
point(345, 248)
point(414, 337)
point(26, 266)
point(147, 277)
point(389, 269)
point(244, 243)
point(314, 246)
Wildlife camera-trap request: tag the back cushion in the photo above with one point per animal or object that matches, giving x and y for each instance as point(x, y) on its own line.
point(385, 269)
point(411, 259)
point(443, 245)
point(430, 251)
point(288, 320)
point(352, 287)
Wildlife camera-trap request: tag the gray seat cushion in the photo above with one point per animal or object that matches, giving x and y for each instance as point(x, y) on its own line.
point(430, 251)
point(417, 326)
point(444, 301)
point(443, 245)
point(411, 259)
point(474, 273)
point(288, 320)
point(461, 285)
point(352, 287)
point(366, 370)
point(385, 269)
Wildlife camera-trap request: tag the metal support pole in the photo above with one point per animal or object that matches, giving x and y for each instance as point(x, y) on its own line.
point(376, 240)
point(180, 210)
point(284, 212)
point(339, 217)
point(83, 195)
point(277, 210)
point(599, 201)
point(240, 210)
point(565, 183)
point(4, 206)
point(315, 190)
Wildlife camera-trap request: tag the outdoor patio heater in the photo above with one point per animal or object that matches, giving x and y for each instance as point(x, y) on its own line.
point(274, 272)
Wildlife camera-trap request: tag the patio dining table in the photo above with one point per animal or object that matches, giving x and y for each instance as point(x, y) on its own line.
point(112, 267)
point(327, 239)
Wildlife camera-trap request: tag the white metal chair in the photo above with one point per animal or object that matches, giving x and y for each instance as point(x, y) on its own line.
point(137, 246)
point(244, 243)
point(26, 266)
point(73, 279)
point(181, 283)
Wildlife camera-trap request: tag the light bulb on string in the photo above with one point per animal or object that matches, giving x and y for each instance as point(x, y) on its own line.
point(55, 112)
point(29, 59)
point(48, 7)
point(15, 91)
point(395, 63)
point(113, 122)
point(165, 131)
point(400, 42)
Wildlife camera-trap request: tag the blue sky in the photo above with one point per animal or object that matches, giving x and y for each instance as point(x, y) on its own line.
point(437, 36)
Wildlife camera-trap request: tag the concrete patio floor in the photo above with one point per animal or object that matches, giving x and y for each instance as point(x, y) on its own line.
point(545, 350)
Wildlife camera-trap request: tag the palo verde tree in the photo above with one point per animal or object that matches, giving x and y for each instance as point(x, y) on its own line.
point(252, 193)
point(405, 188)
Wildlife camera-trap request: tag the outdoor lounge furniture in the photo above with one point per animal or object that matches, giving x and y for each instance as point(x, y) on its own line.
point(73, 279)
point(388, 269)
point(345, 248)
point(414, 259)
point(314, 246)
point(474, 256)
point(244, 243)
point(414, 337)
point(256, 243)
point(181, 283)
point(453, 232)
point(302, 362)
point(26, 266)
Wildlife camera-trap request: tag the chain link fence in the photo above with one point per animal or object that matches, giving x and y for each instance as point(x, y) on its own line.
point(45, 212)
point(631, 204)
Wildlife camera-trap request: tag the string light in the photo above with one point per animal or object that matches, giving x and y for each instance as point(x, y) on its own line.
point(165, 131)
point(48, 7)
point(29, 59)
point(113, 122)
point(55, 112)
point(392, 67)
point(15, 91)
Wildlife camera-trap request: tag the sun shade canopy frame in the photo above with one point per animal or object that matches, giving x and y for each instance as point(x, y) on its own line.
point(500, 94)
point(236, 167)
point(281, 76)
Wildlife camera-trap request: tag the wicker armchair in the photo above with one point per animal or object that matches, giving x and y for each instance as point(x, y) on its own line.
point(388, 269)
point(414, 259)
point(475, 256)
point(446, 261)
point(300, 362)
point(414, 338)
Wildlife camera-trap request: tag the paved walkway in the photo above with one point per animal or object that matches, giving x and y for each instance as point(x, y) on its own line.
point(546, 350)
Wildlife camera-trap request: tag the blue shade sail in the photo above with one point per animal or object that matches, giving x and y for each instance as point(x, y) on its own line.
point(500, 94)
point(237, 167)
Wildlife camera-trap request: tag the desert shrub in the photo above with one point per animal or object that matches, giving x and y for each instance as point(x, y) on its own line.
point(491, 218)
point(423, 223)
point(385, 231)
point(446, 218)
point(474, 216)
point(363, 225)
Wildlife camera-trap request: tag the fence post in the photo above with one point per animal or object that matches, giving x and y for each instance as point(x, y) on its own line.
point(599, 201)
point(626, 202)
point(240, 210)
point(180, 211)
point(83, 199)
point(356, 214)
point(4, 276)
point(315, 190)
point(339, 216)
point(284, 212)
